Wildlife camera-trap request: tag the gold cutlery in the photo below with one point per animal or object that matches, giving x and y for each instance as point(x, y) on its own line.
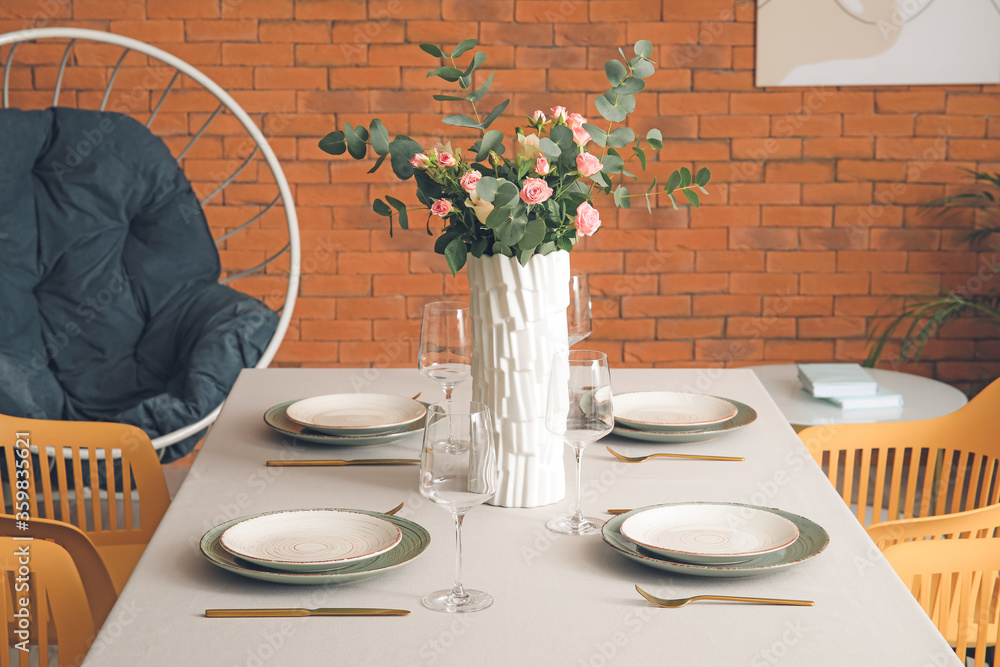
point(394, 509)
point(416, 396)
point(327, 611)
point(700, 457)
point(673, 604)
point(334, 462)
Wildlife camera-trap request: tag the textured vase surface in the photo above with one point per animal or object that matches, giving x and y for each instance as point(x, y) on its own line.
point(518, 323)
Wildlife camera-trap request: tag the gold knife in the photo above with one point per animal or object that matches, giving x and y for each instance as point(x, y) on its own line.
point(351, 462)
point(325, 611)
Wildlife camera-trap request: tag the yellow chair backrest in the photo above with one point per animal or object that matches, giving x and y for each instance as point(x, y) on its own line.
point(918, 468)
point(42, 595)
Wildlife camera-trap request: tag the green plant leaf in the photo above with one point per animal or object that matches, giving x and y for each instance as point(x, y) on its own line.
point(378, 163)
point(651, 187)
point(506, 194)
point(622, 199)
point(609, 110)
point(404, 221)
point(685, 177)
point(487, 188)
point(460, 120)
point(564, 243)
point(381, 208)
point(672, 182)
point(644, 48)
point(477, 94)
point(703, 176)
point(479, 246)
point(501, 249)
point(534, 232)
point(642, 69)
point(477, 60)
point(379, 137)
point(401, 151)
point(649, 205)
point(447, 73)
point(455, 253)
point(512, 231)
point(490, 141)
point(334, 143)
point(448, 98)
point(549, 147)
point(621, 137)
point(612, 163)
point(600, 180)
point(497, 110)
point(692, 197)
point(655, 138)
point(599, 136)
point(432, 49)
point(641, 154)
point(464, 46)
point(498, 216)
point(356, 145)
point(616, 72)
point(562, 135)
point(673, 202)
point(524, 256)
point(629, 86)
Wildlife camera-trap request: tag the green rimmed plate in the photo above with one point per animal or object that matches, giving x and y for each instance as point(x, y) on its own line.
point(275, 418)
point(745, 415)
point(414, 542)
point(812, 540)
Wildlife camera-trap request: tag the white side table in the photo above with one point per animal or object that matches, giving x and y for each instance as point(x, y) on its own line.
point(923, 398)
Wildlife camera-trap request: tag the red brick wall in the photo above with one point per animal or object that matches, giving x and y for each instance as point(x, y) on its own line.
point(812, 222)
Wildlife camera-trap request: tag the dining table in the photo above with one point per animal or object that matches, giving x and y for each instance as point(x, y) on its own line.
point(559, 600)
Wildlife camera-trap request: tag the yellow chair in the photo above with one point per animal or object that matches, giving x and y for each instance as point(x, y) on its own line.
point(915, 469)
point(57, 612)
point(58, 491)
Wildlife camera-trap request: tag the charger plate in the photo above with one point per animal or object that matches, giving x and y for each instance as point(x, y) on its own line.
point(812, 540)
point(310, 540)
point(671, 410)
point(415, 540)
point(356, 414)
point(745, 415)
point(275, 418)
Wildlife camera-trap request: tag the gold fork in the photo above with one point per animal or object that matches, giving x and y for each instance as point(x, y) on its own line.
point(673, 604)
point(699, 457)
point(394, 509)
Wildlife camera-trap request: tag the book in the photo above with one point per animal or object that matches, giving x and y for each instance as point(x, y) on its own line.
point(824, 380)
point(883, 399)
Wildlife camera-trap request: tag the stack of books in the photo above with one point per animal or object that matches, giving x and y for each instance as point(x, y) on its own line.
point(847, 386)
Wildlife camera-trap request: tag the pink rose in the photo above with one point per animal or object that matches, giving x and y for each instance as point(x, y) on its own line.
point(538, 117)
point(580, 135)
point(420, 161)
point(446, 159)
point(535, 191)
point(442, 207)
point(588, 220)
point(542, 166)
point(575, 120)
point(588, 164)
point(468, 182)
point(559, 114)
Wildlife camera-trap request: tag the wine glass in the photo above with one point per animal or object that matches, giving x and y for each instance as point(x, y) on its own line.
point(446, 344)
point(579, 409)
point(578, 313)
point(458, 470)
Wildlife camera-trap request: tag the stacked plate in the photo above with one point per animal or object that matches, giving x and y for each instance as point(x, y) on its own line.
point(321, 546)
point(354, 420)
point(715, 539)
point(672, 416)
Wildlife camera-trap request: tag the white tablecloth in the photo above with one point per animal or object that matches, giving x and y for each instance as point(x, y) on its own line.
point(559, 600)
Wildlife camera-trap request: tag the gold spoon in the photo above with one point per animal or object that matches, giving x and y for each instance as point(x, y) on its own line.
point(680, 602)
point(394, 509)
point(699, 457)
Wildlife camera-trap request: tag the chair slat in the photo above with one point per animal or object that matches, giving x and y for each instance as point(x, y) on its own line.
point(911, 482)
point(95, 490)
point(880, 475)
point(45, 479)
point(863, 477)
point(109, 471)
point(127, 491)
point(62, 484)
point(896, 485)
point(78, 493)
point(927, 492)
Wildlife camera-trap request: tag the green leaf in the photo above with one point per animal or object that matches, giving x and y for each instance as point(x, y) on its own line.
point(477, 60)
point(609, 110)
point(464, 46)
point(673, 202)
point(642, 69)
point(487, 188)
point(685, 177)
point(564, 243)
point(600, 180)
point(501, 249)
point(562, 135)
point(447, 73)
point(512, 231)
point(692, 197)
point(460, 120)
point(449, 98)
point(621, 137)
point(334, 143)
point(506, 193)
point(524, 256)
point(655, 138)
point(649, 205)
point(641, 154)
point(612, 163)
point(442, 241)
point(625, 102)
point(479, 247)
point(455, 253)
point(378, 163)
point(497, 217)
point(497, 110)
point(616, 72)
point(489, 142)
point(549, 147)
point(703, 190)
point(356, 146)
point(381, 208)
point(534, 232)
point(672, 182)
point(477, 94)
point(622, 199)
point(599, 136)
point(432, 49)
point(404, 221)
point(703, 176)
point(643, 48)
point(629, 86)
point(401, 151)
point(379, 136)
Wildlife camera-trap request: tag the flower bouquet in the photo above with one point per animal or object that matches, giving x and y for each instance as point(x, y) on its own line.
point(538, 198)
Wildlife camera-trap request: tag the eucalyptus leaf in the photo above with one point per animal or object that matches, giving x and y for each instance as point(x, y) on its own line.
point(649, 205)
point(600, 180)
point(621, 137)
point(379, 137)
point(651, 187)
point(549, 147)
point(334, 143)
point(612, 163)
point(479, 246)
point(497, 217)
point(692, 197)
point(672, 182)
point(685, 177)
point(448, 98)
point(609, 110)
point(506, 194)
point(524, 256)
point(501, 249)
point(460, 120)
point(643, 69)
point(378, 163)
point(477, 60)
point(616, 72)
point(455, 254)
point(643, 48)
point(629, 86)
point(562, 135)
point(655, 138)
point(564, 243)
point(401, 151)
point(622, 199)
point(381, 208)
point(356, 146)
point(703, 176)
point(447, 73)
point(477, 94)
point(464, 46)
point(599, 136)
point(404, 221)
point(487, 188)
point(534, 232)
point(512, 231)
point(490, 141)
point(442, 241)
point(432, 49)
point(673, 202)
point(497, 110)
point(641, 154)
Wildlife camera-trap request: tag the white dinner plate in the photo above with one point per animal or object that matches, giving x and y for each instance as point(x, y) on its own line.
point(671, 410)
point(745, 416)
point(709, 533)
point(310, 540)
point(356, 414)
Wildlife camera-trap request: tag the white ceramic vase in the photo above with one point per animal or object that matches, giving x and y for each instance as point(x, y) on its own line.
point(518, 323)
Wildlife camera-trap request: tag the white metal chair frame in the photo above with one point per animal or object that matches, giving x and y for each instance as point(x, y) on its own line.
point(225, 102)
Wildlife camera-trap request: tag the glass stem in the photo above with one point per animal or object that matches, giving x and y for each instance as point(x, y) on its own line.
point(578, 511)
point(458, 594)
